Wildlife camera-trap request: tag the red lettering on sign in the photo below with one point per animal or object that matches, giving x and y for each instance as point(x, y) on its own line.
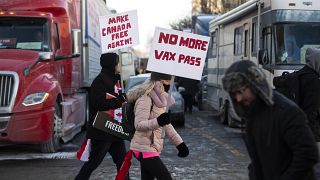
point(118, 28)
point(118, 19)
point(193, 43)
point(168, 38)
point(164, 55)
point(191, 60)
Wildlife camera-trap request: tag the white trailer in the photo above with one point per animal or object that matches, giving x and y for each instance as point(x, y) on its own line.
point(286, 29)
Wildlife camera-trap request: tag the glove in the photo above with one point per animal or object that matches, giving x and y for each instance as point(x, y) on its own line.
point(121, 99)
point(183, 150)
point(164, 119)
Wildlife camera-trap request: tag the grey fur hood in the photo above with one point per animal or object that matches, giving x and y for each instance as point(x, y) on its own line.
point(245, 72)
point(313, 59)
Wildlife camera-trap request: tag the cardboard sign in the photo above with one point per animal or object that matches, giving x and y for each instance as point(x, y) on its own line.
point(178, 53)
point(119, 31)
point(103, 122)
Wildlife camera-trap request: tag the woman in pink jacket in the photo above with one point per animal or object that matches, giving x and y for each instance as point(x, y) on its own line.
point(152, 123)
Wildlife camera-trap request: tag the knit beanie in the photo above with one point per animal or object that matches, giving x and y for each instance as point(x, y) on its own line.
point(155, 76)
point(245, 72)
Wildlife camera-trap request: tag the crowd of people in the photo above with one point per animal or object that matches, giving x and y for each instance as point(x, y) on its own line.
point(282, 137)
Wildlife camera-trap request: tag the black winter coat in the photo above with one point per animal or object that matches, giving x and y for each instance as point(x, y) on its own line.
point(310, 98)
point(279, 142)
point(102, 84)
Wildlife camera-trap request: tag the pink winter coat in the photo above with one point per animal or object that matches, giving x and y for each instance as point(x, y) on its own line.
point(149, 135)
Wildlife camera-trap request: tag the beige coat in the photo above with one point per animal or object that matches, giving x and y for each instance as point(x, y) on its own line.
point(149, 135)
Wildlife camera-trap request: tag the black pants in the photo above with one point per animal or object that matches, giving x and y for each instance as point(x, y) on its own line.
point(153, 168)
point(188, 102)
point(98, 151)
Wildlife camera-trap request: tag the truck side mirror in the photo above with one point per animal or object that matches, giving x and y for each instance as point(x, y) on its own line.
point(45, 56)
point(76, 41)
point(263, 57)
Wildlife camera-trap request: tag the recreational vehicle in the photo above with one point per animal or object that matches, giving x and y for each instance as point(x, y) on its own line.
point(272, 33)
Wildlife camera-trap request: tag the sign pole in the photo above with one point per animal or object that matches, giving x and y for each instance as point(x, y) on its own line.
point(121, 78)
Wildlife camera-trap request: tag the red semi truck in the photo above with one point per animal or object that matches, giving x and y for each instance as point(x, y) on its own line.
point(49, 55)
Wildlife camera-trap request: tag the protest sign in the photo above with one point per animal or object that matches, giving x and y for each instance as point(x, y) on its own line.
point(119, 31)
point(178, 53)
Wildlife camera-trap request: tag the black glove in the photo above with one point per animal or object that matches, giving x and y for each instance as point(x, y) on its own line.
point(164, 119)
point(183, 150)
point(120, 99)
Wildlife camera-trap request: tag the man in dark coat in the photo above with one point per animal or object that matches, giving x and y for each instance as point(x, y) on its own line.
point(108, 81)
point(191, 87)
point(278, 139)
point(309, 93)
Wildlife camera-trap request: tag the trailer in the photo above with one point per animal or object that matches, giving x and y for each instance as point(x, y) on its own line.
point(274, 34)
point(49, 55)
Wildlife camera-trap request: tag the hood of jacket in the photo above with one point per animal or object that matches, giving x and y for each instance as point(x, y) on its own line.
point(246, 72)
point(313, 59)
point(140, 90)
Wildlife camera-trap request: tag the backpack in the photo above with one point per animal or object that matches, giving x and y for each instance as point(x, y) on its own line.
point(288, 84)
point(128, 123)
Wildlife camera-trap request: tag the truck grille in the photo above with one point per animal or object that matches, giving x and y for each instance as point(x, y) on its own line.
point(6, 89)
point(9, 82)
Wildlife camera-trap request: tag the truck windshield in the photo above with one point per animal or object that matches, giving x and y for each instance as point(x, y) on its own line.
point(292, 40)
point(24, 33)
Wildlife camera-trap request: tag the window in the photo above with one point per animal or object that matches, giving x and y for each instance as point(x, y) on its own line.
point(291, 41)
point(214, 44)
point(246, 43)
point(238, 41)
point(267, 40)
point(254, 40)
point(56, 37)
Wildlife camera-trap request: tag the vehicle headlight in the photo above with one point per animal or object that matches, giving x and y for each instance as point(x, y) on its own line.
point(35, 98)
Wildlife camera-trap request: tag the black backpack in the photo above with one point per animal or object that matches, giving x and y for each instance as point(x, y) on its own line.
point(288, 84)
point(128, 123)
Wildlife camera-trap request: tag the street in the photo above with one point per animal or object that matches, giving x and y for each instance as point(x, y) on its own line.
point(216, 152)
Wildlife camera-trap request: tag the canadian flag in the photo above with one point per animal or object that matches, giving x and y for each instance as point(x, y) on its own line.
point(84, 151)
point(115, 114)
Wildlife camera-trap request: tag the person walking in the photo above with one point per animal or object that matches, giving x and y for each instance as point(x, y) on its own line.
point(108, 81)
point(152, 123)
point(191, 87)
point(309, 101)
point(278, 139)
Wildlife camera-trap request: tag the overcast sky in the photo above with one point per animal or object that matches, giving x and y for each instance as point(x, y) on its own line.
point(153, 13)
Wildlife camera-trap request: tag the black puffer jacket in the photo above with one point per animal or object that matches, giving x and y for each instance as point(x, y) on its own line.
point(102, 84)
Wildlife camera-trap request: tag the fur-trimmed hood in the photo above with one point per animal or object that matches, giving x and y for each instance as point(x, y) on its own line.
point(140, 90)
point(246, 72)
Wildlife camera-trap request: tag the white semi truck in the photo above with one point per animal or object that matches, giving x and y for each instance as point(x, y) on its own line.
point(272, 33)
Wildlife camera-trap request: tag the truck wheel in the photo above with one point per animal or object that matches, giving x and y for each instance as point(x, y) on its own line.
point(54, 143)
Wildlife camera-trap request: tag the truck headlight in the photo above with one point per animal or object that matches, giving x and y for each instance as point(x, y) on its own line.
point(35, 98)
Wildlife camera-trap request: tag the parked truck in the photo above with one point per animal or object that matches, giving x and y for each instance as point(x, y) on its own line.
point(272, 33)
point(49, 55)
point(200, 25)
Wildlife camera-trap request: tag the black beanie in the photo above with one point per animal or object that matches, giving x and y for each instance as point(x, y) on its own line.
point(109, 60)
point(155, 76)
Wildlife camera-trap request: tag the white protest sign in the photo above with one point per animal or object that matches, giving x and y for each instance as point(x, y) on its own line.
point(178, 53)
point(119, 31)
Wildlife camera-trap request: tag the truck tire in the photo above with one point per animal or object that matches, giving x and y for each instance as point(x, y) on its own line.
point(225, 117)
point(224, 113)
point(53, 144)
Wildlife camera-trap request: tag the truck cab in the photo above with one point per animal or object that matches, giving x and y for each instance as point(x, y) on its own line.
point(42, 97)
